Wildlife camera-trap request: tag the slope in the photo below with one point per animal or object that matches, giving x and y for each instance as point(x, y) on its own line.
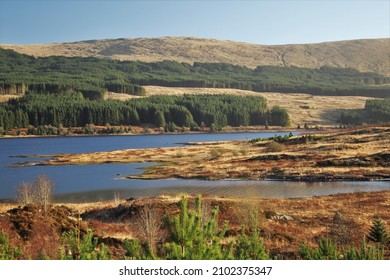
point(364, 55)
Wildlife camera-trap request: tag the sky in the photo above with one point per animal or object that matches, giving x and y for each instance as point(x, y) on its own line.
point(260, 22)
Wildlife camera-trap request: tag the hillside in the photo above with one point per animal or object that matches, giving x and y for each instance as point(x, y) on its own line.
point(364, 55)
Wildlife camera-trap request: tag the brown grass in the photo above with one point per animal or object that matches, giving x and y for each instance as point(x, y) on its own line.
point(313, 218)
point(341, 155)
point(6, 97)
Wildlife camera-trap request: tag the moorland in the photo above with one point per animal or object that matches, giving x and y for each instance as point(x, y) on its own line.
point(335, 94)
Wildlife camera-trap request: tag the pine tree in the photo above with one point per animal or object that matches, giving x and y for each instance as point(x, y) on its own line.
point(378, 232)
point(159, 119)
point(83, 248)
point(192, 237)
point(327, 250)
point(365, 252)
point(132, 249)
point(7, 252)
point(250, 247)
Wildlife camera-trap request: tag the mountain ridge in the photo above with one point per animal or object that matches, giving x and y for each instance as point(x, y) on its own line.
point(363, 54)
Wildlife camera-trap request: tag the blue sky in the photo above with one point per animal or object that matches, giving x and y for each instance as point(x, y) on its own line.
point(262, 22)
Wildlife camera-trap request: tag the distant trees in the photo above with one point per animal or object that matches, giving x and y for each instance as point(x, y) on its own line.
point(349, 118)
point(158, 119)
point(378, 109)
point(47, 112)
point(279, 116)
point(375, 110)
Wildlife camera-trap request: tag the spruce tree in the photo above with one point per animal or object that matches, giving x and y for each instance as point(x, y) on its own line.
point(378, 232)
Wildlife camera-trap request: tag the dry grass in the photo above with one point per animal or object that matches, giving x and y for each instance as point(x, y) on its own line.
point(4, 207)
point(342, 155)
point(6, 97)
point(312, 218)
point(365, 55)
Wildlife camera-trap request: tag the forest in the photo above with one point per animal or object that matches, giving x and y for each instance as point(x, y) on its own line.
point(378, 109)
point(168, 112)
point(375, 111)
point(92, 76)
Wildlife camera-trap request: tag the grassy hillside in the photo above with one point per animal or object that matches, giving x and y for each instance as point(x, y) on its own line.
point(364, 55)
point(92, 76)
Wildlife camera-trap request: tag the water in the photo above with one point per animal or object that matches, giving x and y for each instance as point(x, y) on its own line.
point(98, 182)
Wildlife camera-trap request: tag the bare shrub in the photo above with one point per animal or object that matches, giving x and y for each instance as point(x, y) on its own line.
point(149, 223)
point(250, 215)
point(44, 191)
point(217, 153)
point(274, 147)
point(206, 210)
point(26, 194)
point(179, 154)
point(117, 198)
point(38, 192)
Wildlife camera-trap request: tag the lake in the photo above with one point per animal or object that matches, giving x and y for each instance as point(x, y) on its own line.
point(100, 182)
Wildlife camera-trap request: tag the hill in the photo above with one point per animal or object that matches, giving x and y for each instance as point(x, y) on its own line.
point(92, 76)
point(364, 55)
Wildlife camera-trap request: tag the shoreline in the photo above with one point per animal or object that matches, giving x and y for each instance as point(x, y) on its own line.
point(157, 131)
point(357, 155)
point(240, 191)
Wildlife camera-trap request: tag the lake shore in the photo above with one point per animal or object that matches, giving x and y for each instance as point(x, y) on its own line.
point(152, 130)
point(352, 154)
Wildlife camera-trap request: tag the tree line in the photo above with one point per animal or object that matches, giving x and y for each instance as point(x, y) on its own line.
point(93, 76)
point(192, 111)
point(378, 109)
point(375, 110)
